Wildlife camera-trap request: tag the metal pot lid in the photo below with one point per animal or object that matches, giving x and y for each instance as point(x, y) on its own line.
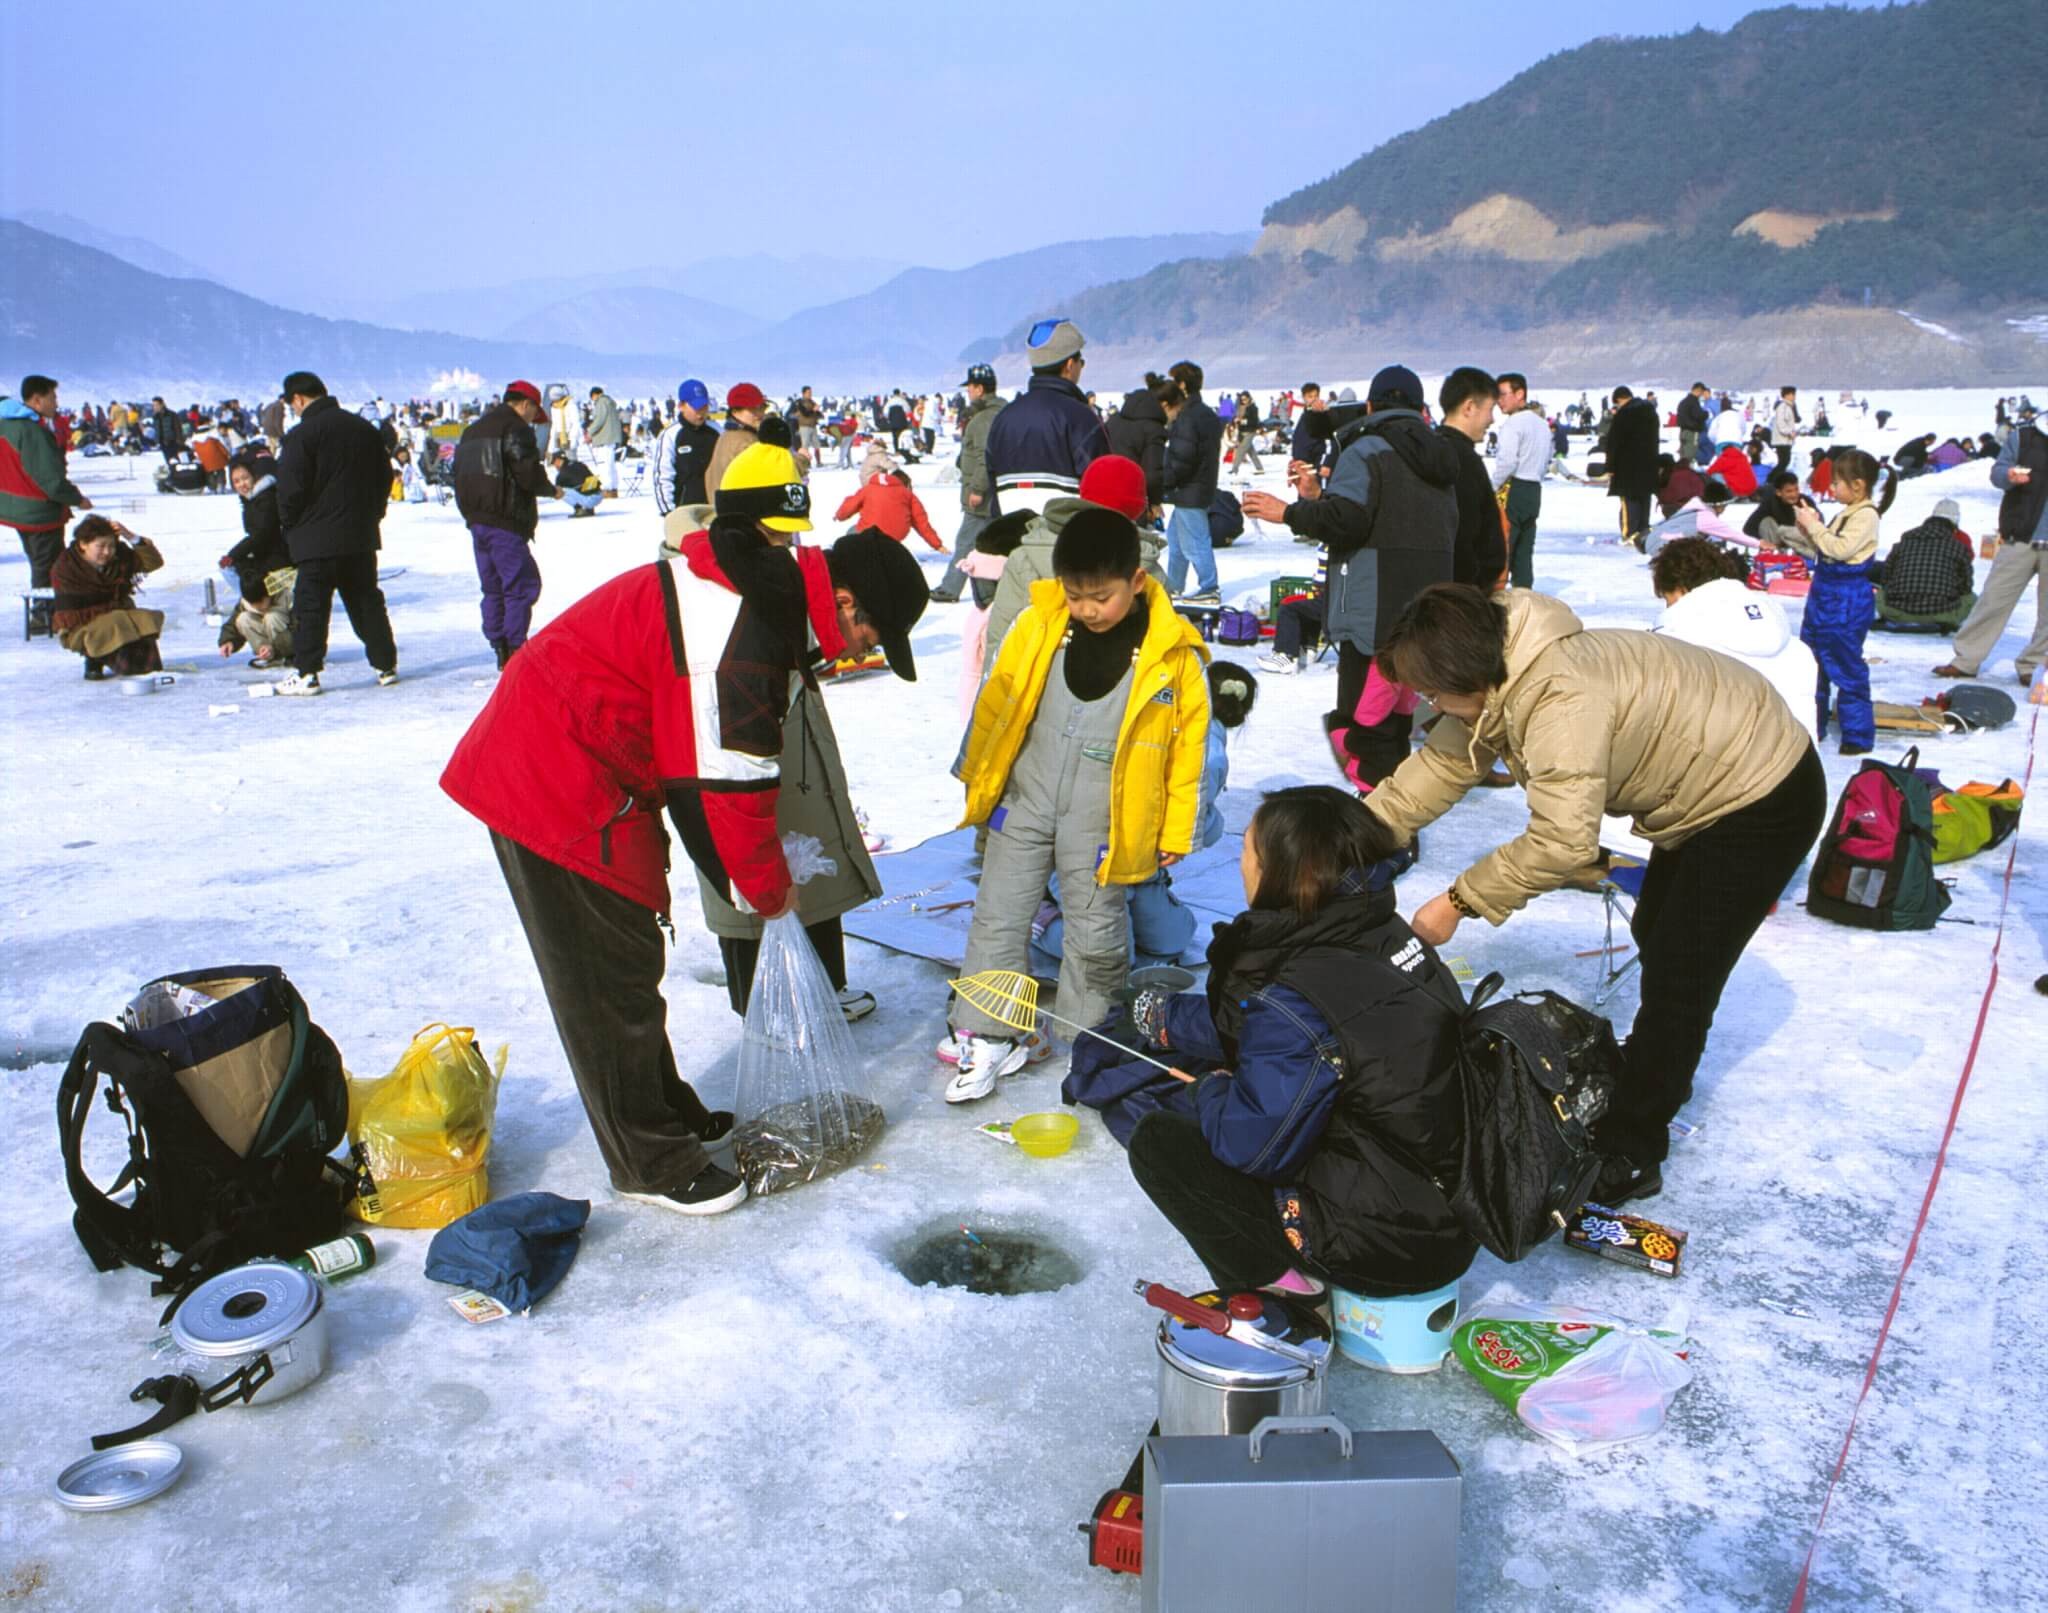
point(1213, 1358)
point(121, 1476)
point(244, 1311)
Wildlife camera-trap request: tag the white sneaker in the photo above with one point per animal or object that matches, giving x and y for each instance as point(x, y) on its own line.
point(855, 1003)
point(1285, 665)
point(386, 679)
point(983, 1062)
point(300, 683)
point(949, 1050)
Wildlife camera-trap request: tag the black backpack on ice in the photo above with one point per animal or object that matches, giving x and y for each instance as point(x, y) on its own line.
point(1536, 1071)
point(232, 1099)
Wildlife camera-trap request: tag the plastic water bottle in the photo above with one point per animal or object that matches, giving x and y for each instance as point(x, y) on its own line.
point(343, 1258)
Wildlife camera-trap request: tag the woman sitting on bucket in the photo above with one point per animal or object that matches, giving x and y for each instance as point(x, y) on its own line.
point(95, 613)
point(1319, 1070)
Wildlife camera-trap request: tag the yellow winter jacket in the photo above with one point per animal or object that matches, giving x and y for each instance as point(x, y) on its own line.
point(1156, 777)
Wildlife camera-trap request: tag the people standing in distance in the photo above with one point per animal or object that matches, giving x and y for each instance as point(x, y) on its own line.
point(977, 490)
point(1785, 424)
point(682, 459)
point(1466, 402)
point(499, 482)
point(1047, 435)
point(1191, 464)
point(1632, 438)
point(1389, 520)
point(745, 408)
point(2022, 472)
point(1522, 456)
point(36, 495)
point(606, 435)
point(1693, 421)
point(333, 486)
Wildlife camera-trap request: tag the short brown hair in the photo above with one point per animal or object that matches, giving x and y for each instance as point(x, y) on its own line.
point(92, 526)
point(1684, 564)
point(1452, 639)
point(1308, 839)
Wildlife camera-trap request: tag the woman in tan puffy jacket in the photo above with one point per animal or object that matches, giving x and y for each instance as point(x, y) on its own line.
point(1697, 748)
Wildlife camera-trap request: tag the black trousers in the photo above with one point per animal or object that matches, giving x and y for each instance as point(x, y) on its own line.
point(601, 957)
point(42, 549)
point(1298, 627)
point(1381, 748)
point(742, 952)
point(354, 577)
point(1635, 514)
point(1700, 905)
point(1784, 452)
point(1228, 1218)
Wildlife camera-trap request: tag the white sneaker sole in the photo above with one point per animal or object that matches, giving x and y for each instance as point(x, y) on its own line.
point(966, 1087)
point(717, 1206)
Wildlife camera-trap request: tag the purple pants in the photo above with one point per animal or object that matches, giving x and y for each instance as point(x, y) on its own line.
point(511, 579)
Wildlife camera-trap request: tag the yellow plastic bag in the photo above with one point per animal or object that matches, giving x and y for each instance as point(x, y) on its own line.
point(420, 1135)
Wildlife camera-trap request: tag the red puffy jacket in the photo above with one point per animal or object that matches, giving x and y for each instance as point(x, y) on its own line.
point(666, 686)
point(1735, 471)
point(887, 505)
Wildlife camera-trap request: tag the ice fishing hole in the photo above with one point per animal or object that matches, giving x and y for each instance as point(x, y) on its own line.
point(993, 1260)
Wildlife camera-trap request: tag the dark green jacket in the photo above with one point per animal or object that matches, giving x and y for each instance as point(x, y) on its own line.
point(35, 494)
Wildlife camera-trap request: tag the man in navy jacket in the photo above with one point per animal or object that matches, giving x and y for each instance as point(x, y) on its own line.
point(1041, 443)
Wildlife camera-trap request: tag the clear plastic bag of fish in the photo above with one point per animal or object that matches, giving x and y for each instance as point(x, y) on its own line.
point(804, 1107)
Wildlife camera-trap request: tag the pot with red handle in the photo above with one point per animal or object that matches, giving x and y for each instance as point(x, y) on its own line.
point(1228, 1360)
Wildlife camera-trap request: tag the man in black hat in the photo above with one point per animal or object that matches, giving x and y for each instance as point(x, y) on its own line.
point(977, 489)
point(694, 685)
point(1388, 519)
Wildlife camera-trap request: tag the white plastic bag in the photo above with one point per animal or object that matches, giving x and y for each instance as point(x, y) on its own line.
point(1583, 1381)
point(803, 1108)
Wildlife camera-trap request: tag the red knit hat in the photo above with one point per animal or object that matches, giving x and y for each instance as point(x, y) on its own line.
point(1116, 483)
point(745, 396)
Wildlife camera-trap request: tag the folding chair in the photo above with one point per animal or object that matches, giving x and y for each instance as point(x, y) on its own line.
point(634, 482)
point(1619, 886)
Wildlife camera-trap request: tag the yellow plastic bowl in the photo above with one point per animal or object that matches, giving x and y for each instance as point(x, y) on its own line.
point(1045, 1136)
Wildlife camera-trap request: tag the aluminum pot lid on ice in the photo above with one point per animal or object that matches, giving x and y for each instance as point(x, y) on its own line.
point(121, 1476)
point(1212, 1358)
point(245, 1311)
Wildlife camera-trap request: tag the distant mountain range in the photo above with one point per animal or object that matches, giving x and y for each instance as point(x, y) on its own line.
point(1797, 181)
point(128, 248)
point(101, 323)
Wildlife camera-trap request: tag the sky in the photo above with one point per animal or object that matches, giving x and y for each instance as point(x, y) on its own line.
point(333, 157)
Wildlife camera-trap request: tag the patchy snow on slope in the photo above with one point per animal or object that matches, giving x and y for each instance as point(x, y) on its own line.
point(1933, 329)
point(757, 1411)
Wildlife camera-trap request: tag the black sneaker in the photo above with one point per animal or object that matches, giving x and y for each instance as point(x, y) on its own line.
point(716, 1128)
point(712, 1192)
point(1621, 1180)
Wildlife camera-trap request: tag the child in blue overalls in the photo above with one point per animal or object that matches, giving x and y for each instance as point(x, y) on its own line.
point(1840, 606)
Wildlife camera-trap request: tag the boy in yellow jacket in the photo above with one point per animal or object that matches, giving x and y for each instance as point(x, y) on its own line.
point(1085, 760)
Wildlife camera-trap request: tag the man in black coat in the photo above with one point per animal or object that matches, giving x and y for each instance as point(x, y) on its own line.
point(1632, 439)
point(333, 483)
point(1693, 420)
point(1138, 431)
point(499, 483)
point(1192, 461)
point(1481, 554)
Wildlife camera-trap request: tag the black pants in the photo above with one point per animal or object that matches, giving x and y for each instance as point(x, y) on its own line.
point(742, 952)
point(1229, 1219)
point(42, 549)
point(1635, 514)
point(1381, 748)
point(1784, 452)
point(1298, 628)
point(1525, 505)
point(601, 957)
point(354, 577)
point(1700, 905)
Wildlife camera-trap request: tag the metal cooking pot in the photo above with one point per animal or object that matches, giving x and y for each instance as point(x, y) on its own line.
point(257, 1333)
point(1210, 1383)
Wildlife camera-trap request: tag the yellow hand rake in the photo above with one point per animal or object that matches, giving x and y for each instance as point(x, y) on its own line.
point(1011, 999)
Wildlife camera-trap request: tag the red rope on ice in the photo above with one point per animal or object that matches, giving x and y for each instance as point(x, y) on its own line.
point(1955, 1110)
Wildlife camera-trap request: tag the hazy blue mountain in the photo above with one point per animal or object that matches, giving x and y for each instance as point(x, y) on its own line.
point(630, 319)
point(128, 248)
point(100, 324)
point(758, 286)
point(916, 328)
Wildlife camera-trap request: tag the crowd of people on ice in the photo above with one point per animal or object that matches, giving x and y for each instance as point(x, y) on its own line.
point(1294, 1118)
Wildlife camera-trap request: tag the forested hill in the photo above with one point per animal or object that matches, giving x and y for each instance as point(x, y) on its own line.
point(1806, 159)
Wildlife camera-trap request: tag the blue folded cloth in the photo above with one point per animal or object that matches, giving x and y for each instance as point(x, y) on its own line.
point(516, 1250)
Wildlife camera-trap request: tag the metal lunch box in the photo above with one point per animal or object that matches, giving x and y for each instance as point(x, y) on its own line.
point(1210, 1384)
point(257, 1333)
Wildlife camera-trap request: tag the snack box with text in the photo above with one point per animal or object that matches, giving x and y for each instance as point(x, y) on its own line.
point(1627, 1239)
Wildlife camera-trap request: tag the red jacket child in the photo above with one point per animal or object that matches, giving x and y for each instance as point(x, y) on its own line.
point(889, 505)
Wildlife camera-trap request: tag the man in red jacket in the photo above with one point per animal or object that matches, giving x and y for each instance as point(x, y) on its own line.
point(666, 687)
point(887, 503)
